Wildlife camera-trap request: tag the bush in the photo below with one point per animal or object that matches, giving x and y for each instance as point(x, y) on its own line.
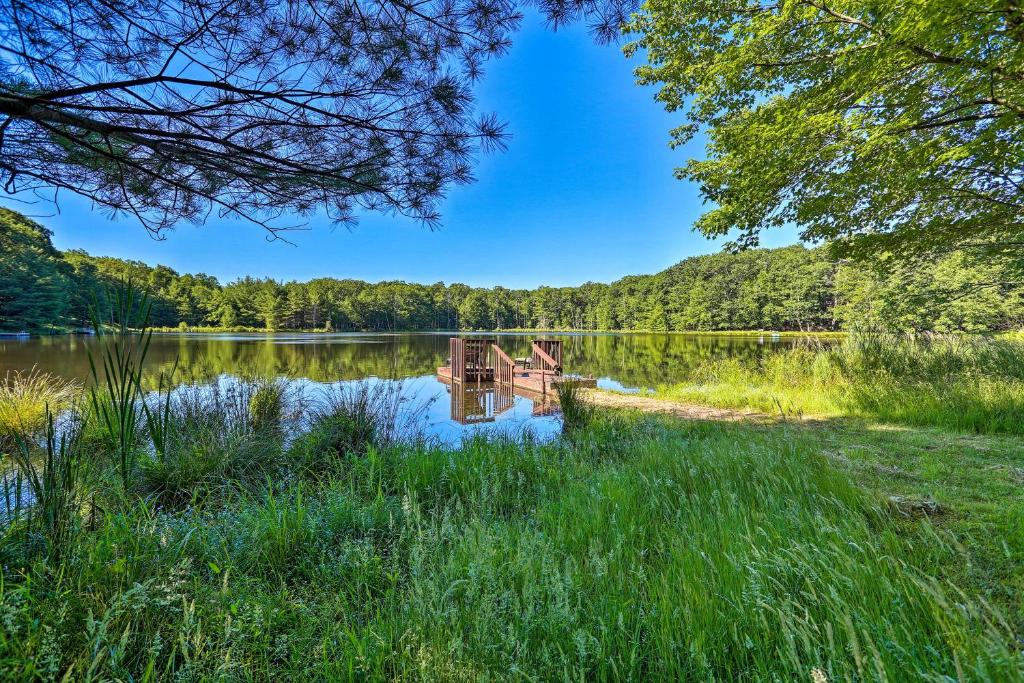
point(266, 406)
point(353, 418)
point(214, 442)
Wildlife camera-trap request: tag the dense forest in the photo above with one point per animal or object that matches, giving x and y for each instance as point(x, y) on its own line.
point(791, 288)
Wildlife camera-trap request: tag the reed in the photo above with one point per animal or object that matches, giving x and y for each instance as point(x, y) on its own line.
point(117, 374)
point(211, 442)
point(961, 383)
point(644, 549)
point(353, 418)
point(577, 412)
point(158, 416)
point(26, 397)
point(265, 409)
point(41, 490)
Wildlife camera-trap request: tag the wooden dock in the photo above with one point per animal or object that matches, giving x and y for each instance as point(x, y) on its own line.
point(529, 383)
point(480, 361)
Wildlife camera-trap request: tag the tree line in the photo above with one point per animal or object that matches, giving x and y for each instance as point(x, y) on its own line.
point(789, 288)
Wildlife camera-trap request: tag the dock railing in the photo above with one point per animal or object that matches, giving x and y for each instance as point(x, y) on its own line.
point(457, 358)
point(544, 361)
point(504, 366)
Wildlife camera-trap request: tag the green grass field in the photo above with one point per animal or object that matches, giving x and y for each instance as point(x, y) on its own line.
point(241, 535)
point(637, 548)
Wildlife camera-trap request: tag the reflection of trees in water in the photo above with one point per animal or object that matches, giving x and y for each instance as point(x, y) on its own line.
point(633, 360)
point(647, 360)
point(326, 361)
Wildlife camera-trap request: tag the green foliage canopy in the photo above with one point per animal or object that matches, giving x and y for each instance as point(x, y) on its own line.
point(879, 125)
point(792, 288)
point(33, 278)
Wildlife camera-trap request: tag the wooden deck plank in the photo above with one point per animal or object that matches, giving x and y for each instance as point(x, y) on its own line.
point(529, 383)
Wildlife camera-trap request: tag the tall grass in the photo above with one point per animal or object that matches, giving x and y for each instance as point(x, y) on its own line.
point(25, 399)
point(266, 406)
point(577, 412)
point(41, 490)
point(117, 376)
point(354, 418)
point(964, 383)
point(214, 440)
point(158, 416)
point(640, 550)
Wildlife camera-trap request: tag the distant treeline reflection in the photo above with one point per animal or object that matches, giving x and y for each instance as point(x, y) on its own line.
point(641, 360)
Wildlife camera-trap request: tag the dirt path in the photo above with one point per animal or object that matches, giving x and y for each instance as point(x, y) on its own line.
point(688, 411)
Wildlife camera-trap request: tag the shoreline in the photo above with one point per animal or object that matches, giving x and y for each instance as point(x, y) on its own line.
point(693, 333)
point(777, 334)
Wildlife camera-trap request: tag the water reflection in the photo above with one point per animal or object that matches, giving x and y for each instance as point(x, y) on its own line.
point(476, 403)
point(480, 403)
point(626, 362)
point(455, 412)
point(633, 360)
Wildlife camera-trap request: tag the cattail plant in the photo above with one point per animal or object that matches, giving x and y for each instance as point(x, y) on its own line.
point(117, 376)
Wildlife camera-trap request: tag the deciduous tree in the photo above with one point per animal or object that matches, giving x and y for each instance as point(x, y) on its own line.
point(34, 283)
point(879, 125)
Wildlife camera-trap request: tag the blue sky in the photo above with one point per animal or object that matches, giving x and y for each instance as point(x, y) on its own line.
point(588, 169)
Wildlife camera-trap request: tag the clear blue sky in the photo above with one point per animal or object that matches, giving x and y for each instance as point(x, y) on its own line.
point(588, 166)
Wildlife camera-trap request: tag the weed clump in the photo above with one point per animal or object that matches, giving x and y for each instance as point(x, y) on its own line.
point(266, 406)
point(26, 397)
point(351, 419)
point(214, 442)
point(577, 412)
point(43, 500)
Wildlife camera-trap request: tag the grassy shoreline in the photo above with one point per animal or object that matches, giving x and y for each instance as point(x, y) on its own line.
point(770, 551)
point(972, 384)
point(785, 334)
point(248, 534)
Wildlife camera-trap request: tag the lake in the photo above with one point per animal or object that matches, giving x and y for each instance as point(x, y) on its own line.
point(624, 362)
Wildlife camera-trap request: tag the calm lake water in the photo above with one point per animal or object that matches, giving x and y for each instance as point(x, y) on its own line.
point(630, 362)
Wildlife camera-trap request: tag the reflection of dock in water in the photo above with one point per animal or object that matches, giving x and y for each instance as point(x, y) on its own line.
point(484, 380)
point(477, 403)
point(473, 404)
point(481, 362)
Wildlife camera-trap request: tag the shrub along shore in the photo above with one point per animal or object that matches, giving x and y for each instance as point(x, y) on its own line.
point(242, 531)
